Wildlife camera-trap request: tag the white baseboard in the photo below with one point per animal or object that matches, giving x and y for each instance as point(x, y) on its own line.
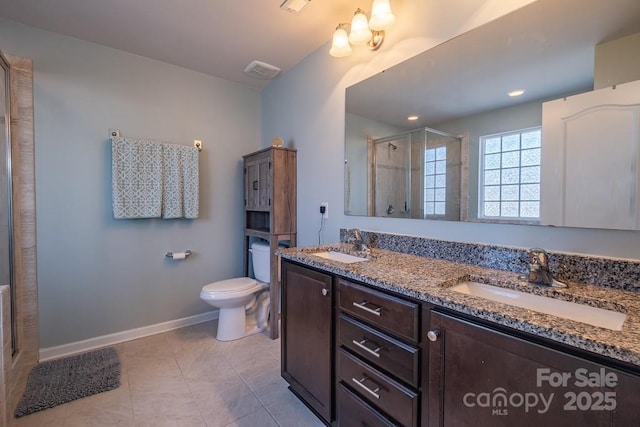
point(118, 337)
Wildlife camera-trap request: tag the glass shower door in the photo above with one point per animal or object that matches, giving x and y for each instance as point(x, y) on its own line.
point(6, 237)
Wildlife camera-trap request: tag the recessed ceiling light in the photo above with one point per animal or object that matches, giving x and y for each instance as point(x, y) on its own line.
point(516, 92)
point(412, 118)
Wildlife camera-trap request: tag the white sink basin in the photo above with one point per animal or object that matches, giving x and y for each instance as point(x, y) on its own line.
point(569, 310)
point(340, 257)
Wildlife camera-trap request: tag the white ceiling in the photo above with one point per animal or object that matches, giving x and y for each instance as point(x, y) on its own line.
point(546, 48)
point(215, 37)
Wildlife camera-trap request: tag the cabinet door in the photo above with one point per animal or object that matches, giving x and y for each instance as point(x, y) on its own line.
point(591, 158)
point(258, 182)
point(482, 377)
point(307, 336)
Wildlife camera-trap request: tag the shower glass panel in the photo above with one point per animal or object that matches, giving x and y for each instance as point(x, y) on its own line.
point(6, 255)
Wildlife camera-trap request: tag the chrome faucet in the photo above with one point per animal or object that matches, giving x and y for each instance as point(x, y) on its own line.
point(539, 272)
point(355, 237)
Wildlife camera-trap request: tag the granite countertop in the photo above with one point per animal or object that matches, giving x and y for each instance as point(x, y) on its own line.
point(428, 279)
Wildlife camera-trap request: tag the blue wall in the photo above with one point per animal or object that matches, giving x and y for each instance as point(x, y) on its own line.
point(306, 106)
point(98, 275)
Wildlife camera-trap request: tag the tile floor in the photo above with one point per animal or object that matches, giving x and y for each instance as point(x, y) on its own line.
point(185, 378)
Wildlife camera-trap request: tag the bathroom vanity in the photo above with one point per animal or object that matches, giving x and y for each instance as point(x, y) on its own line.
point(386, 341)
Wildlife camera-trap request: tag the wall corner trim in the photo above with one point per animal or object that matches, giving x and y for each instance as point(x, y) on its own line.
point(118, 337)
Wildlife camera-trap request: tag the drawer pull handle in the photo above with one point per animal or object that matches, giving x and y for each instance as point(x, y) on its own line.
point(360, 383)
point(360, 344)
point(363, 306)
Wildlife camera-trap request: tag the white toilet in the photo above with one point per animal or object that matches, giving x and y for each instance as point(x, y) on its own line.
point(243, 302)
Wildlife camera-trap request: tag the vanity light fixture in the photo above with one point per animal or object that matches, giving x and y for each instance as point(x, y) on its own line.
point(514, 93)
point(363, 31)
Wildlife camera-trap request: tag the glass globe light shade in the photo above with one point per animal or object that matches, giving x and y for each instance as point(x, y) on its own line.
point(340, 45)
point(360, 32)
point(381, 15)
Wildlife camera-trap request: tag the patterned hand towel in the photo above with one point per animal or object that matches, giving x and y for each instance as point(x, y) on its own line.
point(180, 192)
point(136, 178)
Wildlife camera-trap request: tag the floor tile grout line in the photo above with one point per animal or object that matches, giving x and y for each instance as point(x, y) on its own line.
point(187, 382)
point(248, 386)
point(273, 417)
point(133, 413)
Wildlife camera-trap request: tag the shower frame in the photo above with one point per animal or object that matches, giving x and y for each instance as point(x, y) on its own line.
point(16, 362)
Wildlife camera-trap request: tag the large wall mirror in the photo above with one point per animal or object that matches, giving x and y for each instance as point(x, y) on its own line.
point(445, 135)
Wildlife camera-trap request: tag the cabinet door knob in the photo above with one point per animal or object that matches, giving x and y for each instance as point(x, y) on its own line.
point(325, 291)
point(433, 335)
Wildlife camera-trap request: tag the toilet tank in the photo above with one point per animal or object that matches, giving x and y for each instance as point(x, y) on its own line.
point(261, 261)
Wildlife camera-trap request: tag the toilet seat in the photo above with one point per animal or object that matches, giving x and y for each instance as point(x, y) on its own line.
point(231, 288)
point(230, 285)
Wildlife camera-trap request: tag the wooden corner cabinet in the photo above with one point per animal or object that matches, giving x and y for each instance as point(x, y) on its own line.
point(270, 210)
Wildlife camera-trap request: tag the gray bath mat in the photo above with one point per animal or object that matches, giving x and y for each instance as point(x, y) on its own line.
point(63, 380)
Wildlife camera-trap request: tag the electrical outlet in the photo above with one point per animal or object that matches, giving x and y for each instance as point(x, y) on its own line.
point(325, 215)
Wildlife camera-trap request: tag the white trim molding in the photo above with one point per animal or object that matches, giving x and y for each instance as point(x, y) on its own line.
point(128, 335)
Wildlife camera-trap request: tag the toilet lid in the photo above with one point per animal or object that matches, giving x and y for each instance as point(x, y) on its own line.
point(230, 285)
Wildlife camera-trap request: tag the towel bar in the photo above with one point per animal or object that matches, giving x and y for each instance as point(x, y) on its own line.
point(170, 254)
point(115, 133)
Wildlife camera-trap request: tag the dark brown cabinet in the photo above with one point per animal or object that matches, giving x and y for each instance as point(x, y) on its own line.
point(483, 377)
point(356, 412)
point(378, 357)
point(307, 336)
point(270, 210)
point(362, 356)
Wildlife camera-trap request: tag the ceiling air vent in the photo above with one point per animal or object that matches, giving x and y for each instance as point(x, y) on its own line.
point(294, 6)
point(261, 70)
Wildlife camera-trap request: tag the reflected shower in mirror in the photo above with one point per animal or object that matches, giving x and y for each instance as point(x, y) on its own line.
point(414, 174)
point(465, 90)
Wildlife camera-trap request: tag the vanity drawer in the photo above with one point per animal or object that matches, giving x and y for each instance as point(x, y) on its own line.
point(353, 411)
point(399, 402)
point(395, 315)
point(389, 354)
